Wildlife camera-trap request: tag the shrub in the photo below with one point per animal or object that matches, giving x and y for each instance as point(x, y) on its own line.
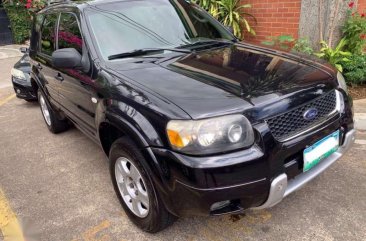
point(20, 15)
point(20, 22)
point(230, 13)
point(354, 31)
point(354, 70)
point(303, 45)
point(285, 42)
point(336, 57)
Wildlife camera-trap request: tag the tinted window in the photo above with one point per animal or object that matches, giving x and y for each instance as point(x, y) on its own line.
point(69, 35)
point(48, 34)
point(124, 26)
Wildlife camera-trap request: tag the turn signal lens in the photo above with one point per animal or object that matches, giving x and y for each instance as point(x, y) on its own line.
point(175, 139)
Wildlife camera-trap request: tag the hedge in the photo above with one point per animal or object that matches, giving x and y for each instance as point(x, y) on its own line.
point(20, 22)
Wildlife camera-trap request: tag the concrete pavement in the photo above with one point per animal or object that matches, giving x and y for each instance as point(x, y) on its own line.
point(59, 188)
point(9, 55)
point(360, 114)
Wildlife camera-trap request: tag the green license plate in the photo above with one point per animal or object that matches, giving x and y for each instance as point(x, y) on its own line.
point(320, 150)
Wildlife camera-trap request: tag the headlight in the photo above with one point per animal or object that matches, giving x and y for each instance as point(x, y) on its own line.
point(342, 82)
point(16, 73)
point(210, 135)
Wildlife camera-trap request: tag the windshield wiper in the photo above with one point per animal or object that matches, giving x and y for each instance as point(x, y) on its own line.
point(205, 42)
point(139, 52)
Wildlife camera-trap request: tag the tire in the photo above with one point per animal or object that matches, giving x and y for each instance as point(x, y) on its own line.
point(49, 115)
point(125, 155)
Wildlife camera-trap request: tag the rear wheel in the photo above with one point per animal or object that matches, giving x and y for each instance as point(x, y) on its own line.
point(53, 123)
point(134, 188)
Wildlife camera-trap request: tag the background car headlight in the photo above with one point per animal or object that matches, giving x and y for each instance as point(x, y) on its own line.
point(342, 82)
point(210, 135)
point(16, 73)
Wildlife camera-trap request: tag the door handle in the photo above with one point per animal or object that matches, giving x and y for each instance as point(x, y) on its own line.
point(39, 66)
point(59, 77)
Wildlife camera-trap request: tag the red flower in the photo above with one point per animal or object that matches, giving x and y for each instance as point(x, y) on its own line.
point(363, 15)
point(28, 5)
point(351, 4)
point(363, 36)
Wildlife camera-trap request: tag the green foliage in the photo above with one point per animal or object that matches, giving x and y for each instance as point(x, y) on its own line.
point(336, 57)
point(303, 45)
point(231, 13)
point(354, 70)
point(354, 31)
point(20, 22)
point(287, 42)
point(284, 42)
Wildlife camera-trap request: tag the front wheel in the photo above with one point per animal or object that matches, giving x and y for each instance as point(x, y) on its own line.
point(134, 188)
point(53, 123)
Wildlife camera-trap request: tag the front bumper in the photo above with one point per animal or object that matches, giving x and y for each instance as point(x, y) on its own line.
point(282, 187)
point(259, 177)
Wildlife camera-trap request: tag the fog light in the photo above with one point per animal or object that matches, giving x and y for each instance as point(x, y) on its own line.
point(18, 91)
point(219, 205)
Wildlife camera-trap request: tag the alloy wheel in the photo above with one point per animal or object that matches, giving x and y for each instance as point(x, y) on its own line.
point(132, 187)
point(45, 111)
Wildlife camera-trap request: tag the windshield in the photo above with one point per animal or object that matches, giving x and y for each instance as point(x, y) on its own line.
point(130, 25)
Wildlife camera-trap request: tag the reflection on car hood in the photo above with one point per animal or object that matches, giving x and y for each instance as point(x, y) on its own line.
point(23, 64)
point(232, 79)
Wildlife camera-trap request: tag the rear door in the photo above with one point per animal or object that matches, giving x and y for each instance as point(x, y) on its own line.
point(77, 88)
point(43, 64)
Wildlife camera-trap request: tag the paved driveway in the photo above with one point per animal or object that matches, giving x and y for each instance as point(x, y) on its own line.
point(59, 188)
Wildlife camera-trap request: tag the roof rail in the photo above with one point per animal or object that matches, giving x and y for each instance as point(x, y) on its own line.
point(50, 2)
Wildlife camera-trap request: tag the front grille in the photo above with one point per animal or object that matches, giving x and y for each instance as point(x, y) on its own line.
point(286, 125)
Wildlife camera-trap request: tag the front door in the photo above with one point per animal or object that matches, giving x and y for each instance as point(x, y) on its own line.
point(77, 88)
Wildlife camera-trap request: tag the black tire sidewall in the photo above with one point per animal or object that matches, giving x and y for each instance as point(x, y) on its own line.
point(49, 110)
point(57, 125)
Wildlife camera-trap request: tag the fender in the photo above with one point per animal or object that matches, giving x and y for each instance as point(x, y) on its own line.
point(40, 87)
point(128, 120)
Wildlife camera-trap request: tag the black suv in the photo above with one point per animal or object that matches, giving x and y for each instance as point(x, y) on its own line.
point(193, 121)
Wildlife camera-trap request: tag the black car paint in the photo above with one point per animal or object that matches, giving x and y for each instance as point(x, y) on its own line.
point(138, 97)
point(23, 88)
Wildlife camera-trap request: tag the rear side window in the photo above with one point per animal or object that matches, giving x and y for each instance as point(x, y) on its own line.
point(69, 35)
point(48, 34)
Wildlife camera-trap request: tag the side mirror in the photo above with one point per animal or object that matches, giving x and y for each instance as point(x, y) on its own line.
point(67, 58)
point(24, 50)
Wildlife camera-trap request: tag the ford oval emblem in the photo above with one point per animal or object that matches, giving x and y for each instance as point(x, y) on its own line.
point(310, 114)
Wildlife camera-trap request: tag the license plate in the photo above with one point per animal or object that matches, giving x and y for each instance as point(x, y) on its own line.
point(320, 150)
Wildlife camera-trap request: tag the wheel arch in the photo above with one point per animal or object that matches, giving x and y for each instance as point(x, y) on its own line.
point(109, 132)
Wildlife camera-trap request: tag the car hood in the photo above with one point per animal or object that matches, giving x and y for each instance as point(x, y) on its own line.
point(231, 79)
point(23, 64)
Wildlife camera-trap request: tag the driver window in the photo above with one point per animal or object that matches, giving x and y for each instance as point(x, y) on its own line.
point(69, 35)
point(48, 34)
